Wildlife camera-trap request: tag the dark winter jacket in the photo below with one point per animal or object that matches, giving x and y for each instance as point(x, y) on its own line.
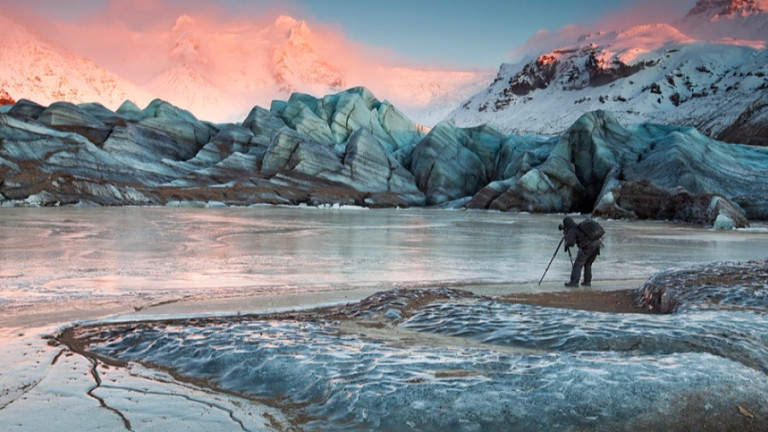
point(575, 236)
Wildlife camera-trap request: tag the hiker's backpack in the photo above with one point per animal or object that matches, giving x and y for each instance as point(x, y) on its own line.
point(592, 229)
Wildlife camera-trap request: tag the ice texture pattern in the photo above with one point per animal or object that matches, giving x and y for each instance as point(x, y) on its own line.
point(469, 363)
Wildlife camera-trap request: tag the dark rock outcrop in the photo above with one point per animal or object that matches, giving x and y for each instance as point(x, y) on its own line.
point(601, 74)
point(644, 200)
point(5, 98)
point(752, 124)
point(534, 76)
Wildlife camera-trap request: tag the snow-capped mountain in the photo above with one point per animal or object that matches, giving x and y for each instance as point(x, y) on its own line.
point(33, 69)
point(220, 73)
point(686, 73)
point(296, 63)
point(728, 21)
point(266, 64)
point(286, 57)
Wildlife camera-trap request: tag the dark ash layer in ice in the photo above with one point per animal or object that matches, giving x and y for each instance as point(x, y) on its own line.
point(446, 360)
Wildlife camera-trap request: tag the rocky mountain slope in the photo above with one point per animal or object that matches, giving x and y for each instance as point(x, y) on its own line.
point(351, 148)
point(708, 70)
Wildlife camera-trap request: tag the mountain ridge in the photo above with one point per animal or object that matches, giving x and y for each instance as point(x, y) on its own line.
point(647, 73)
point(220, 74)
point(714, 9)
point(686, 73)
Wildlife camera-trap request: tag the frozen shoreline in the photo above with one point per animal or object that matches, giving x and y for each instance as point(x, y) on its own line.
point(429, 341)
point(47, 387)
point(83, 310)
point(40, 392)
point(67, 266)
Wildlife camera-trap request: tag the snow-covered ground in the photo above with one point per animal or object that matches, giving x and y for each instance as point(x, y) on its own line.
point(676, 81)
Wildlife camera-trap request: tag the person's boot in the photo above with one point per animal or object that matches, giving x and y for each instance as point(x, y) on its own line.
point(586, 284)
point(575, 276)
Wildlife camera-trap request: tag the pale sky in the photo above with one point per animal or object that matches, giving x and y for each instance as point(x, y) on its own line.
point(477, 34)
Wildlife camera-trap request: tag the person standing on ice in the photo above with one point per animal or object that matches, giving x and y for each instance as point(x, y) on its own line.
point(586, 236)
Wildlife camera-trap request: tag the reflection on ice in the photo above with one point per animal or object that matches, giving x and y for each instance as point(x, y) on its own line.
point(449, 361)
point(142, 256)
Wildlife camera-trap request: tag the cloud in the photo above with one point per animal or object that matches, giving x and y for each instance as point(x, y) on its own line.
point(544, 41)
point(646, 12)
point(641, 12)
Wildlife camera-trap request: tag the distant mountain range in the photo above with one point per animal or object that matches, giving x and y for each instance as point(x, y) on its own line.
point(708, 70)
point(222, 85)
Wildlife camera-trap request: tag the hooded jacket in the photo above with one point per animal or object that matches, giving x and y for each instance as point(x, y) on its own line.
point(574, 235)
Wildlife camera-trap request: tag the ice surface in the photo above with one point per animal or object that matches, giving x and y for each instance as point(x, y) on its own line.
point(52, 256)
point(738, 336)
point(534, 368)
point(463, 364)
point(58, 393)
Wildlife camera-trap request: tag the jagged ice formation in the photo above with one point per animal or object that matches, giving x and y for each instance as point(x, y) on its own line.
point(351, 148)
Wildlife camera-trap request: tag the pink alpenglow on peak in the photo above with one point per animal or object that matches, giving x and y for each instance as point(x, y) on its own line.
point(737, 22)
point(716, 9)
point(220, 67)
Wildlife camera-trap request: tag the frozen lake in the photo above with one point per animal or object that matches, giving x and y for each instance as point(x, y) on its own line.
point(56, 256)
point(461, 364)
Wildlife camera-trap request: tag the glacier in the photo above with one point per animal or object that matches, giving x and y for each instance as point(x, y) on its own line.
point(350, 148)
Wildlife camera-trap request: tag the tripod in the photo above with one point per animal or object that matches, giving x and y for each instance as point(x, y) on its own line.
point(553, 258)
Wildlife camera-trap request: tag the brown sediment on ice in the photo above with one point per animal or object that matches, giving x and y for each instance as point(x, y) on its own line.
point(622, 301)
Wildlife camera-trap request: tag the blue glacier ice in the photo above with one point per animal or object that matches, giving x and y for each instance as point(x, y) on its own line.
point(461, 362)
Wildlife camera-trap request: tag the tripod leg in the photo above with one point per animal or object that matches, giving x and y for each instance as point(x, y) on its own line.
point(553, 258)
